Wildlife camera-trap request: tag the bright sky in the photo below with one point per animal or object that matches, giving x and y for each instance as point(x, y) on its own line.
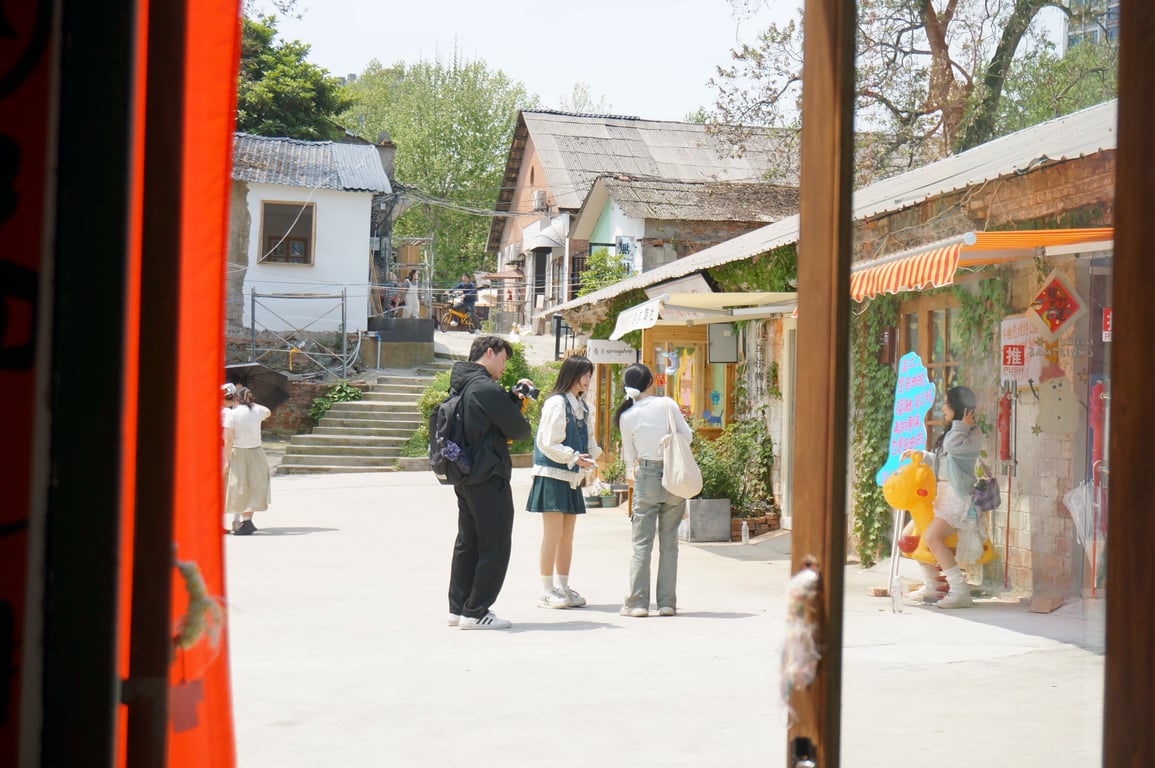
point(649, 58)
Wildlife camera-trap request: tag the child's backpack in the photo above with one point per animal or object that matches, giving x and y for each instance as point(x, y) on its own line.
point(448, 456)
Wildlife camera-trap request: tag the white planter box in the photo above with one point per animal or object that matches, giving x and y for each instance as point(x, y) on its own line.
point(706, 520)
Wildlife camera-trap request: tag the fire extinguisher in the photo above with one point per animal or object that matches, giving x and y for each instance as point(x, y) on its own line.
point(1004, 424)
point(1098, 413)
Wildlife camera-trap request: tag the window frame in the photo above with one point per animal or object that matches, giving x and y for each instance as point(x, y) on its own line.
point(279, 246)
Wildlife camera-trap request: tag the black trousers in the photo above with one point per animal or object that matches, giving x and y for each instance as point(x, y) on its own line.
point(481, 552)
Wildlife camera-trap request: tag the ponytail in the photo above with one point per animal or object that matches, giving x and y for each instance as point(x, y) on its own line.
point(637, 376)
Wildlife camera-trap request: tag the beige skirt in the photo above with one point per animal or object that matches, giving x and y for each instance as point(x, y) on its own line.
point(248, 488)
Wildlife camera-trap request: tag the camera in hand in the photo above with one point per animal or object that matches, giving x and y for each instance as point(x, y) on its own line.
point(526, 390)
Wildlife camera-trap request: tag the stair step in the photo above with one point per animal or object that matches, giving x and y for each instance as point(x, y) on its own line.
point(398, 389)
point(398, 398)
point(338, 460)
point(381, 408)
point(394, 422)
point(338, 441)
point(303, 469)
point(374, 453)
point(359, 431)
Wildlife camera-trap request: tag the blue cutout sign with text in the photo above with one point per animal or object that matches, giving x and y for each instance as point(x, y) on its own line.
point(913, 397)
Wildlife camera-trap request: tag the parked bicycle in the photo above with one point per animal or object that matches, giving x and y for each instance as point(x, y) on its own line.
point(457, 317)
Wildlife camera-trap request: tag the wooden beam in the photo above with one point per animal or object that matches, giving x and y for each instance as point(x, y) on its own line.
point(821, 416)
point(1128, 714)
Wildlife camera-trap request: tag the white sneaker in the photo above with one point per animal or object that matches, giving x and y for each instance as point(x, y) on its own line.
point(454, 620)
point(634, 613)
point(667, 610)
point(959, 599)
point(488, 621)
point(553, 599)
point(576, 600)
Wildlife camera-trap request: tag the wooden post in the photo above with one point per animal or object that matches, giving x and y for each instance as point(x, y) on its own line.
point(823, 308)
point(1128, 716)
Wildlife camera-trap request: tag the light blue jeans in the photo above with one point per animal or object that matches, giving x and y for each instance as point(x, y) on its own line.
point(655, 510)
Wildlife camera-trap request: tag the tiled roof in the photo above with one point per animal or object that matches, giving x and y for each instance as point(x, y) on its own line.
point(313, 164)
point(1083, 133)
point(667, 200)
point(576, 149)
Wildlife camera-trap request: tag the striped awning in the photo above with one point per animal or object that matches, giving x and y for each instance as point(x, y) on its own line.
point(935, 267)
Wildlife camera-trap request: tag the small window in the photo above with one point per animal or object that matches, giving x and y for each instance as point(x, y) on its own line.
point(287, 233)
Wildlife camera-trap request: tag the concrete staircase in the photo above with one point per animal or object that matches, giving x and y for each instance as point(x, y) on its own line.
point(364, 435)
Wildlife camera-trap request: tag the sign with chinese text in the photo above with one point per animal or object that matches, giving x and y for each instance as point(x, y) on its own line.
point(1107, 328)
point(1017, 333)
point(913, 397)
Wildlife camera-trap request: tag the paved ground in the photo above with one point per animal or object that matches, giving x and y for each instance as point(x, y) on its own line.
point(340, 655)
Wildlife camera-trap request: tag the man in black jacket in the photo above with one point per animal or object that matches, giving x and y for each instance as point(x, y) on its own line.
point(469, 298)
point(484, 501)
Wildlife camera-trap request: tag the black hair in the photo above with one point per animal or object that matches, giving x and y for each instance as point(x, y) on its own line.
point(482, 343)
point(572, 369)
point(640, 378)
point(960, 400)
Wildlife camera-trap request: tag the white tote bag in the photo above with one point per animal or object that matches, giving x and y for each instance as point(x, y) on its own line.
point(680, 473)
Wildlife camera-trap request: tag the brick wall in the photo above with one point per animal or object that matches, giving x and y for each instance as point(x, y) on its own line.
point(292, 417)
point(1074, 193)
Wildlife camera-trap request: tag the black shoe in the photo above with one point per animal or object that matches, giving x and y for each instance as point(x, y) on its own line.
point(247, 529)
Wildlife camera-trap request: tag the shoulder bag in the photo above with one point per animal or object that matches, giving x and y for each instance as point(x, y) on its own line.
point(680, 473)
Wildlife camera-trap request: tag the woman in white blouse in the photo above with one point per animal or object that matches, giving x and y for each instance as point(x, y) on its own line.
point(247, 469)
point(643, 421)
point(564, 453)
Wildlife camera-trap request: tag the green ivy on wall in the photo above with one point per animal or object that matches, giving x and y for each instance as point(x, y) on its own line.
point(873, 400)
point(615, 307)
point(774, 270)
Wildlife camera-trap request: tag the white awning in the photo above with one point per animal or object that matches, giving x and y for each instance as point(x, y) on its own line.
point(702, 309)
point(551, 235)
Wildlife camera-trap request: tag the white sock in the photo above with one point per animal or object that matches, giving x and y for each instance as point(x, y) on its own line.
point(547, 583)
point(563, 582)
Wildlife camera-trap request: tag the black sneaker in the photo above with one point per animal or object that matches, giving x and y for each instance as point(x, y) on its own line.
point(247, 529)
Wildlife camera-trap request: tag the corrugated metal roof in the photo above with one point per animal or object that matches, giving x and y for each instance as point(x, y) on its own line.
point(1082, 133)
point(313, 164)
point(666, 200)
point(575, 149)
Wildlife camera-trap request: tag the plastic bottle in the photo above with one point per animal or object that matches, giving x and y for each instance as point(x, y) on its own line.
point(896, 594)
point(745, 533)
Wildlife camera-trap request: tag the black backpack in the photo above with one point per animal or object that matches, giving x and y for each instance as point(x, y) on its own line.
point(448, 455)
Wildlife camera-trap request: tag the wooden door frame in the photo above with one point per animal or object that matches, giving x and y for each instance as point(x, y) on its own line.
point(820, 473)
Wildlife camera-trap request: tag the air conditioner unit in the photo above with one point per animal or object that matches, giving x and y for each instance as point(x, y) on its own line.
point(539, 200)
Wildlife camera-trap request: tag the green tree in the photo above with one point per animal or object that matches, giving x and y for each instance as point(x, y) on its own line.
point(452, 123)
point(279, 93)
point(603, 267)
point(1044, 85)
point(930, 75)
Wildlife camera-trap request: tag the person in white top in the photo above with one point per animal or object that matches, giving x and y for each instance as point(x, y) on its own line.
point(564, 453)
point(412, 306)
point(247, 469)
point(643, 421)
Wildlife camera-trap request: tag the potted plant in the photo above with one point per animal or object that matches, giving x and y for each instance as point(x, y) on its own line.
point(708, 513)
point(736, 470)
point(614, 473)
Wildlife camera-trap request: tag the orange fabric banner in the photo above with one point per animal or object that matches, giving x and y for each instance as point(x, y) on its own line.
point(200, 716)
